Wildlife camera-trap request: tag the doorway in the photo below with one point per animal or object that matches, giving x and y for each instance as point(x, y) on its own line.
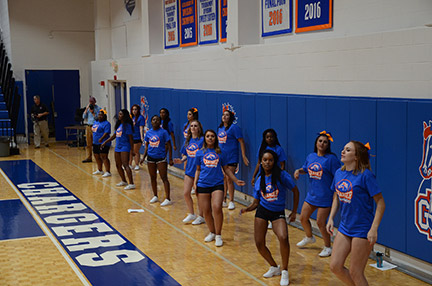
point(117, 98)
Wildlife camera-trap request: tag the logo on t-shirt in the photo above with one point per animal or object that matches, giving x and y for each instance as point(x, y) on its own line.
point(192, 149)
point(154, 141)
point(119, 131)
point(344, 190)
point(211, 160)
point(315, 170)
point(271, 194)
point(185, 132)
point(95, 127)
point(222, 137)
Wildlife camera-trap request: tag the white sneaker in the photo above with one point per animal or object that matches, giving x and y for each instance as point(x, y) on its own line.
point(284, 278)
point(198, 220)
point(210, 237)
point(219, 241)
point(137, 168)
point(165, 203)
point(121, 184)
point(326, 252)
point(130, 187)
point(154, 199)
point(189, 218)
point(193, 191)
point(231, 206)
point(305, 241)
point(270, 225)
point(273, 271)
point(106, 174)
point(97, 172)
point(224, 204)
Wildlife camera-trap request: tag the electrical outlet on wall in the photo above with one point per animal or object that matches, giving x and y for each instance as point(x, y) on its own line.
point(387, 252)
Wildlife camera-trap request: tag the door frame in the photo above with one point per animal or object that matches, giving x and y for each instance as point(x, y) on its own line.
point(111, 98)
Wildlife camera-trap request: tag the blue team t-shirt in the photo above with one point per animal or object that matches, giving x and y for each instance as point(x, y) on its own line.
point(355, 194)
point(195, 144)
point(211, 167)
point(321, 170)
point(156, 140)
point(273, 197)
point(185, 130)
point(170, 126)
point(122, 138)
point(99, 129)
point(139, 122)
point(279, 152)
point(228, 142)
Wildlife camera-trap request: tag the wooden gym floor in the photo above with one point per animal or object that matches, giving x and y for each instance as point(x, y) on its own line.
point(158, 232)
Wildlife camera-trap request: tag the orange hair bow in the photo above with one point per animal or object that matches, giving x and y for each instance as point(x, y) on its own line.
point(367, 145)
point(194, 109)
point(225, 108)
point(104, 111)
point(326, 134)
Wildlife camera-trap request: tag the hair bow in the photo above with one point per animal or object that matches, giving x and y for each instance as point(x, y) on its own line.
point(326, 134)
point(194, 109)
point(225, 108)
point(367, 145)
point(104, 111)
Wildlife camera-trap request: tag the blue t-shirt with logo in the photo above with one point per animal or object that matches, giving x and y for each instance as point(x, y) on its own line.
point(156, 140)
point(279, 152)
point(228, 142)
point(170, 126)
point(99, 129)
point(139, 122)
point(321, 170)
point(122, 138)
point(211, 167)
point(195, 144)
point(185, 130)
point(355, 194)
point(273, 197)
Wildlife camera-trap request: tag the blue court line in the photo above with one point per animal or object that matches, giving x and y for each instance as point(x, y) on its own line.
point(103, 255)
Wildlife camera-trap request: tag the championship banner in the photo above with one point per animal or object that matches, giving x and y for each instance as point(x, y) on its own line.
point(208, 21)
point(276, 17)
point(223, 20)
point(171, 24)
point(312, 15)
point(188, 23)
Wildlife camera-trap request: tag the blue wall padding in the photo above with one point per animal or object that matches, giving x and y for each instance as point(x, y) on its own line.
point(394, 128)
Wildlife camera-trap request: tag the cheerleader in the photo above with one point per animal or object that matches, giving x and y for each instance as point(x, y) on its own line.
point(270, 192)
point(192, 115)
point(101, 130)
point(167, 125)
point(138, 135)
point(209, 186)
point(124, 143)
point(320, 166)
point(356, 189)
point(157, 143)
point(229, 135)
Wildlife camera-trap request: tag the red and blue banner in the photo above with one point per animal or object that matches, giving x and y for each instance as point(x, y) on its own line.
point(312, 15)
point(208, 21)
point(171, 24)
point(188, 23)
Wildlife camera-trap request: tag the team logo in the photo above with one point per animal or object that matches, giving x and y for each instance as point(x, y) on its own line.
point(271, 194)
point(154, 141)
point(315, 170)
point(222, 137)
point(344, 190)
point(423, 200)
point(228, 106)
point(119, 131)
point(185, 132)
point(211, 160)
point(144, 108)
point(95, 127)
point(192, 149)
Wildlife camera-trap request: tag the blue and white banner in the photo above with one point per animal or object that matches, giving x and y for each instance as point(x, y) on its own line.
point(171, 23)
point(312, 15)
point(208, 21)
point(223, 20)
point(188, 21)
point(276, 17)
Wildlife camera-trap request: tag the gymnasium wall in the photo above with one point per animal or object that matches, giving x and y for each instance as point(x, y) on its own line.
point(394, 128)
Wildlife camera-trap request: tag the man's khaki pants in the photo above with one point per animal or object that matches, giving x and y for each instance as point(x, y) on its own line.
point(40, 128)
point(89, 141)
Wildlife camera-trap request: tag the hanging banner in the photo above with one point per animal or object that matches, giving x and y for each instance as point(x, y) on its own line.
point(188, 23)
point(208, 21)
point(171, 24)
point(223, 21)
point(312, 15)
point(130, 6)
point(276, 17)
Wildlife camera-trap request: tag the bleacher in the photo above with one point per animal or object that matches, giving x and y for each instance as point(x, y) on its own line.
point(9, 106)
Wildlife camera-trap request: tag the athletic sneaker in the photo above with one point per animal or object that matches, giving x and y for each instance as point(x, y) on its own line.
point(189, 218)
point(224, 204)
point(97, 172)
point(305, 241)
point(137, 168)
point(273, 271)
point(284, 278)
point(130, 187)
point(210, 237)
point(154, 199)
point(193, 191)
point(166, 202)
point(121, 184)
point(198, 220)
point(326, 252)
point(219, 241)
point(106, 174)
point(270, 225)
point(231, 206)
